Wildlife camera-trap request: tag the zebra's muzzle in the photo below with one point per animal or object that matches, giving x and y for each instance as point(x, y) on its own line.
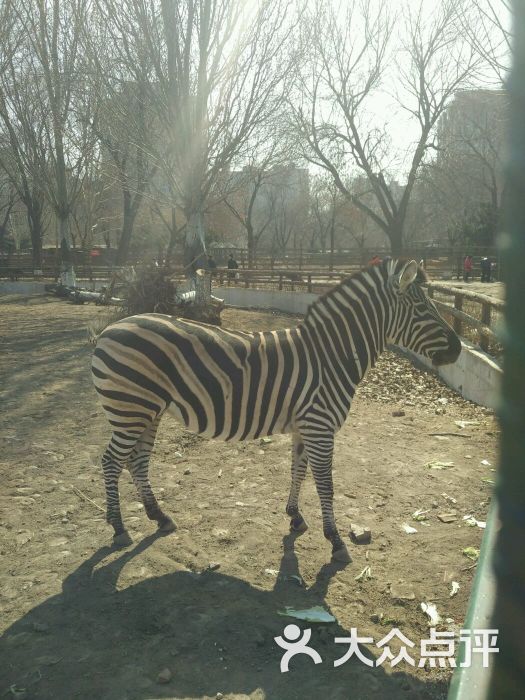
point(451, 354)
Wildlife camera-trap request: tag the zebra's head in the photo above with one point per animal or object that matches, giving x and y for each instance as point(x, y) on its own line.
point(415, 323)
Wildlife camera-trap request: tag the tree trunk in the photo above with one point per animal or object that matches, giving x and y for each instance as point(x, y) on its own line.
point(128, 221)
point(34, 221)
point(395, 234)
point(251, 247)
point(195, 245)
point(67, 272)
point(173, 234)
point(332, 246)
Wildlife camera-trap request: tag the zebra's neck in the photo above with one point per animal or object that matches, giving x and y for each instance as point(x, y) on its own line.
point(348, 328)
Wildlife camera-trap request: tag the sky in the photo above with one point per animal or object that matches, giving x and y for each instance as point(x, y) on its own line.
point(402, 129)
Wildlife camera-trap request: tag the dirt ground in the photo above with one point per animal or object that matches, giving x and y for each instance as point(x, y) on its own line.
point(81, 620)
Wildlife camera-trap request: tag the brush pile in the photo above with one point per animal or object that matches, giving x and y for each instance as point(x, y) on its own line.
point(151, 289)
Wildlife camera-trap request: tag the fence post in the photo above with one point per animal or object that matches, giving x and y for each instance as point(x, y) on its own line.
point(458, 304)
point(486, 309)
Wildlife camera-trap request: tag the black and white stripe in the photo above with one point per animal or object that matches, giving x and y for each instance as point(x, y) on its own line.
point(234, 386)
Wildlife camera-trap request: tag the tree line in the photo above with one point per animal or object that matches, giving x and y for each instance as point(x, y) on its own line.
point(179, 105)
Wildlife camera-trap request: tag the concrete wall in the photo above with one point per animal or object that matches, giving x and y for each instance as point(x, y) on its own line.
point(293, 302)
point(475, 375)
point(22, 287)
point(30, 287)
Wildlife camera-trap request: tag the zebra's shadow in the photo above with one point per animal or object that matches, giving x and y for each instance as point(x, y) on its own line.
point(215, 633)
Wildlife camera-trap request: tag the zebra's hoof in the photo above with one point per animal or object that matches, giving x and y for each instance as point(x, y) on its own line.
point(166, 527)
point(122, 540)
point(298, 525)
point(342, 555)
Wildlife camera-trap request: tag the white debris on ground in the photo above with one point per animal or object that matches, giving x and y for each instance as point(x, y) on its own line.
point(396, 381)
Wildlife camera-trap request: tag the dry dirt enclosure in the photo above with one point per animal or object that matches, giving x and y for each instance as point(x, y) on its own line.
point(80, 620)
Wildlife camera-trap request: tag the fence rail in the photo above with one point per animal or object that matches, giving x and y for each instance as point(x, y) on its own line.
point(479, 324)
point(441, 262)
point(473, 315)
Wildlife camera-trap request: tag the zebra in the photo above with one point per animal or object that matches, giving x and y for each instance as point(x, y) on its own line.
point(232, 385)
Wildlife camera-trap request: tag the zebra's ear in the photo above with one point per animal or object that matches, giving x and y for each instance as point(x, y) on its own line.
point(407, 275)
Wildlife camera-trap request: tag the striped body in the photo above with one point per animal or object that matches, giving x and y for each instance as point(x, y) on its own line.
point(219, 383)
point(231, 385)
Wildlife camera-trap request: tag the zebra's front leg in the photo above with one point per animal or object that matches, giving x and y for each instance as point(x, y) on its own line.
point(320, 449)
point(138, 465)
point(299, 464)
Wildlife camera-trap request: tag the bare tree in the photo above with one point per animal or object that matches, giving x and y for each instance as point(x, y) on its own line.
point(217, 70)
point(172, 224)
point(123, 123)
point(23, 148)
point(467, 174)
point(350, 57)
point(487, 24)
point(8, 198)
point(327, 205)
point(49, 58)
point(245, 192)
point(88, 206)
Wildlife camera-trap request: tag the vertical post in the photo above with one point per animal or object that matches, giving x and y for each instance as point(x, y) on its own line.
point(202, 288)
point(458, 304)
point(309, 283)
point(508, 677)
point(486, 308)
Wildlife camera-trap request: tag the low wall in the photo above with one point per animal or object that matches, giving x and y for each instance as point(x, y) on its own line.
point(292, 302)
point(475, 375)
point(30, 287)
point(22, 287)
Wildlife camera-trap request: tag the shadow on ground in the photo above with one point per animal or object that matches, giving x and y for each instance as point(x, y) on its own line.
point(214, 632)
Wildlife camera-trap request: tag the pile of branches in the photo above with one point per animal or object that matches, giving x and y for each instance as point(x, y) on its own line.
point(151, 289)
point(148, 289)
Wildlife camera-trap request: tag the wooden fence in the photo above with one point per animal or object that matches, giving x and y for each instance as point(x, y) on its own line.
point(441, 263)
point(473, 315)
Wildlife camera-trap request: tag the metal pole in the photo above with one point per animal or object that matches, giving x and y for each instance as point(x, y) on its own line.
point(508, 680)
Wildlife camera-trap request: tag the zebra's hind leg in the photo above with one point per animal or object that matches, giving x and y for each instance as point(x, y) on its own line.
point(299, 464)
point(138, 465)
point(320, 448)
point(113, 461)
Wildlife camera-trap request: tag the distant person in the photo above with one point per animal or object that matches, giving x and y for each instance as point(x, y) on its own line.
point(467, 268)
point(376, 260)
point(211, 264)
point(486, 270)
point(232, 266)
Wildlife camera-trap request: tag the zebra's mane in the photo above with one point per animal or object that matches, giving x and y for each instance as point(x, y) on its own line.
point(374, 274)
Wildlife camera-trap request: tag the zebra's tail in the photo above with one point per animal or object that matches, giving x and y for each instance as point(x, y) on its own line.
point(95, 328)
